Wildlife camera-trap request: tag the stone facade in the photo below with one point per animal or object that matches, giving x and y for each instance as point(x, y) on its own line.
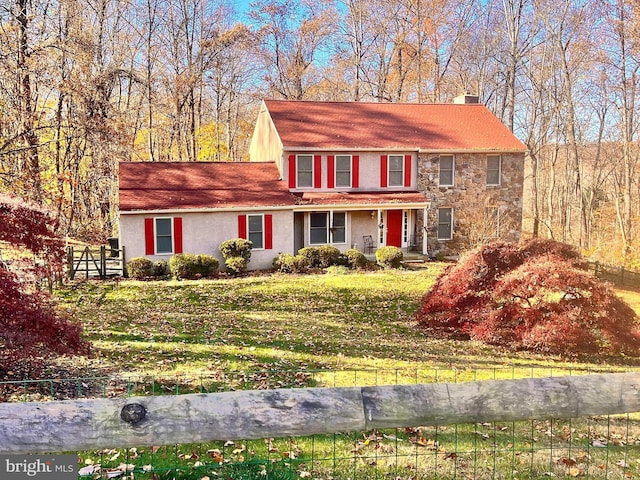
point(480, 212)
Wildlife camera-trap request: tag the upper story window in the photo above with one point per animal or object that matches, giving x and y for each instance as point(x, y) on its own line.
point(396, 170)
point(494, 169)
point(343, 170)
point(304, 171)
point(447, 169)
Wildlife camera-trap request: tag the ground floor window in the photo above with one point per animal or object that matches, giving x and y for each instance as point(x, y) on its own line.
point(164, 235)
point(445, 223)
point(255, 230)
point(327, 227)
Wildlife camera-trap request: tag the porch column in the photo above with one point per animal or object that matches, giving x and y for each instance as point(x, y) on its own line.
point(425, 229)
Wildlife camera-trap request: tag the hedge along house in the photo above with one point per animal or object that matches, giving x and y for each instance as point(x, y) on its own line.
point(425, 177)
point(354, 175)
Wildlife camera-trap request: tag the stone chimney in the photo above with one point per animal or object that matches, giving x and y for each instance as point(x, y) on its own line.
point(466, 98)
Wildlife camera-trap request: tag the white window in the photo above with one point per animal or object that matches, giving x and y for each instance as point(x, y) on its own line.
point(255, 230)
point(343, 170)
point(304, 171)
point(164, 235)
point(396, 170)
point(447, 169)
point(445, 223)
point(338, 227)
point(327, 227)
point(494, 168)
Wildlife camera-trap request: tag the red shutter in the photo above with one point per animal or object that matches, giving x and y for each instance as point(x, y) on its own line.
point(149, 240)
point(317, 171)
point(407, 170)
point(177, 235)
point(331, 170)
point(292, 171)
point(242, 226)
point(268, 232)
point(383, 170)
point(355, 172)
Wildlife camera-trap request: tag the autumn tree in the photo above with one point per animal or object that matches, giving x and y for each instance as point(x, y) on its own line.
point(31, 331)
point(291, 35)
point(535, 297)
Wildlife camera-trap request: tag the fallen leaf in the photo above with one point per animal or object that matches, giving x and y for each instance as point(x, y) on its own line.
point(575, 472)
point(88, 470)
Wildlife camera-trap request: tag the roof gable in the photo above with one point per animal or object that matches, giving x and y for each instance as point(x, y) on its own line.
point(359, 125)
point(193, 185)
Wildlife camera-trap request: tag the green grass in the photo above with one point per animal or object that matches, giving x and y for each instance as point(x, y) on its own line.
point(269, 331)
point(277, 322)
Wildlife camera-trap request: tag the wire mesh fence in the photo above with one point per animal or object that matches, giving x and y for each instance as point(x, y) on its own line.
point(606, 447)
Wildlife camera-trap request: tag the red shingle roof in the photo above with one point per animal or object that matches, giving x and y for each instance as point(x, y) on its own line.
point(189, 185)
point(353, 125)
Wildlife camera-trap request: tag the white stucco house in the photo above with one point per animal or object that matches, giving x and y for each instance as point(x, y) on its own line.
point(353, 175)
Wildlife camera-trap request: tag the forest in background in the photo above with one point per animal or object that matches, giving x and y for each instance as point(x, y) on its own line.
point(85, 84)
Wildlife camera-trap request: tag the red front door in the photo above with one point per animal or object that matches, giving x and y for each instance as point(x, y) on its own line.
point(394, 228)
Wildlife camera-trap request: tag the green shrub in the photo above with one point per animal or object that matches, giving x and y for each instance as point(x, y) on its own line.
point(188, 265)
point(161, 268)
point(237, 253)
point(389, 257)
point(236, 247)
point(311, 255)
point(140, 268)
point(284, 263)
point(208, 265)
point(322, 256)
point(287, 263)
point(236, 265)
point(329, 255)
point(355, 258)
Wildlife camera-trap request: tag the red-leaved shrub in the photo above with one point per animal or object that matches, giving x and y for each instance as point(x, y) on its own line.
point(537, 297)
point(31, 331)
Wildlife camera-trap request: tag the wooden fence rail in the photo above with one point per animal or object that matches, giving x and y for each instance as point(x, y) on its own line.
point(89, 424)
point(617, 275)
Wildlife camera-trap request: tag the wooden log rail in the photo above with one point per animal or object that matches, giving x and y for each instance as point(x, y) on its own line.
point(87, 424)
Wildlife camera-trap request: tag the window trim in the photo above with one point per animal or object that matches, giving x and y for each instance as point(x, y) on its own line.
point(453, 171)
point(450, 223)
point(329, 234)
point(171, 236)
point(499, 157)
point(389, 182)
point(335, 171)
point(312, 171)
point(262, 230)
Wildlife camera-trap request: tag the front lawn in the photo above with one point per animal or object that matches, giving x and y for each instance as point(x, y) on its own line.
point(167, 337)
point(283, 322)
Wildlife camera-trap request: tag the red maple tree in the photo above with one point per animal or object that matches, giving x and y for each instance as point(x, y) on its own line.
point(537, 296)
point(31, 331)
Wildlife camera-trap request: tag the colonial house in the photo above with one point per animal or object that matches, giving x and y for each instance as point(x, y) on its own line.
point(427, 178)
